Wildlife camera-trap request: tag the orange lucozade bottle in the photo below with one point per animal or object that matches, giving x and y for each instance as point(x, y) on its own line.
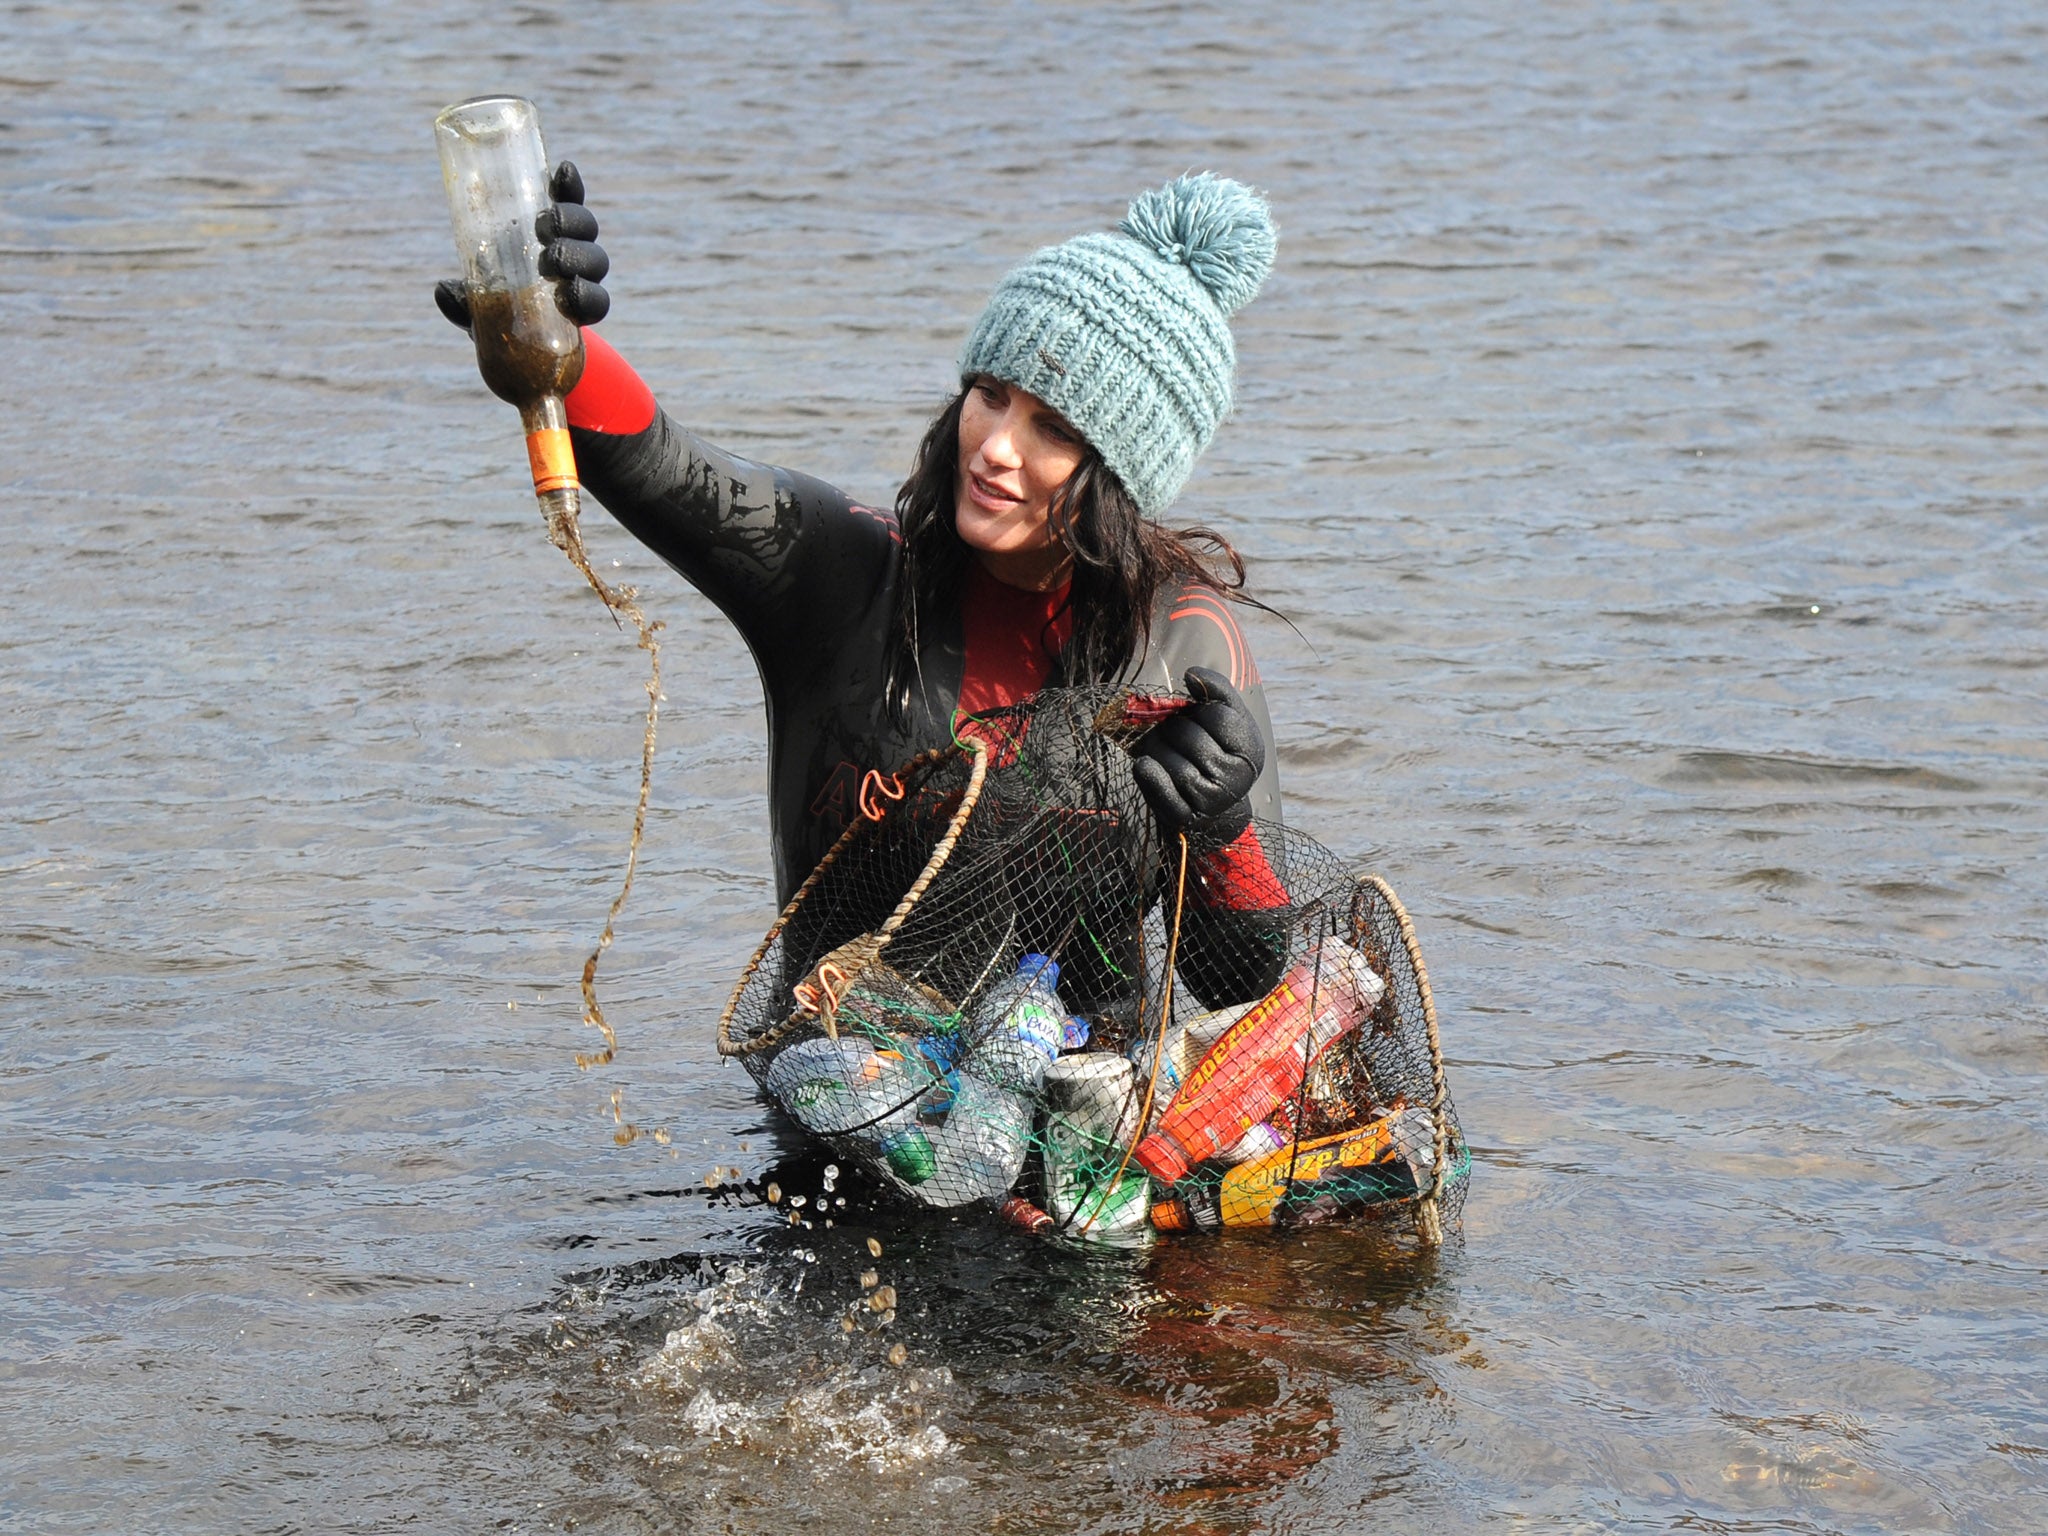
point(1261, 1059)
point(1251, 1193)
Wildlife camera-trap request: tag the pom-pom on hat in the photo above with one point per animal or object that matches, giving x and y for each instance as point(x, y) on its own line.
point(1127, 334)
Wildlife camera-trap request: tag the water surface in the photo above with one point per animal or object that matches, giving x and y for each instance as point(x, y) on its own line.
point(1644, 429)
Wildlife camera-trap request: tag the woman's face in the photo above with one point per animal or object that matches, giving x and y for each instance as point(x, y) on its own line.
point(1015, 453)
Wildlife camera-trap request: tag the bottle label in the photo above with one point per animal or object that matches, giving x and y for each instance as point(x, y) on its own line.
point(552, 459)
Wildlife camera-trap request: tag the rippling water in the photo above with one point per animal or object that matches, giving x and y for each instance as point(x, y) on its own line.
point(1645, 430)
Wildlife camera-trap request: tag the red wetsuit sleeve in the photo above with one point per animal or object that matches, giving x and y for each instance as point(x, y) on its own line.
point(1238, 877)
point(610, 397)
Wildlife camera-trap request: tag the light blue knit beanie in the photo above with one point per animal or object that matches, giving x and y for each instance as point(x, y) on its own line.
point(1127, 334)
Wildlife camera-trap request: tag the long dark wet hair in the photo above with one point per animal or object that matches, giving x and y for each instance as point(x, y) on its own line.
point(1122, 559)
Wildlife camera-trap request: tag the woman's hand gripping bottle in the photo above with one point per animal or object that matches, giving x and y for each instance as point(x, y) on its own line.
point(849, 1089)
point(1017, 1030)
point(529, 352)
point(1261, 1059)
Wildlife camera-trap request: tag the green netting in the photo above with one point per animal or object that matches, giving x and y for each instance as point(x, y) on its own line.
point(1004, 988)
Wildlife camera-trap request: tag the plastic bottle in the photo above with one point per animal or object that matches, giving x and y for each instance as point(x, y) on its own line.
point(1261, 1059)
point(1019, 1027)
point(1091, 1107)
point(495, 169)
point(1354, 1181)
point(849, 1089)
point(1328, 1176)
point(1186, 1045)
point(1268, 1136)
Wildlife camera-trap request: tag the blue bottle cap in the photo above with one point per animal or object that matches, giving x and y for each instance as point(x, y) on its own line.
point(1042, 970)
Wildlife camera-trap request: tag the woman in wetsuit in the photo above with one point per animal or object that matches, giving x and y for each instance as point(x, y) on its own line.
point(1022, 551)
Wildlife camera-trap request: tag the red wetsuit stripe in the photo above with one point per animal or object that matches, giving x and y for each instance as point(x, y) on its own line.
point(1237, 877)
point(1010, 652)
point(610, 396)
point(1206, 603)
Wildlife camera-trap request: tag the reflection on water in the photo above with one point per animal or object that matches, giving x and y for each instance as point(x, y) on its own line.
point(1643, 427)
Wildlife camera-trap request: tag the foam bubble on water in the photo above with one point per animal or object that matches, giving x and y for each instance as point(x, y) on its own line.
point(862, 1413)
point(854, 1416)
point(715, 1418)
point(686, 1354)
point(865, 1419)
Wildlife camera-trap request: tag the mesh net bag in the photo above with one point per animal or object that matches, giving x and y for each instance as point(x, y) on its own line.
point(1002, 986)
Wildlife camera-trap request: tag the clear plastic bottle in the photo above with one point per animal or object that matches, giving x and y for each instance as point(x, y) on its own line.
point(530, 354)
point(868, 1097)
point(1019, 1028)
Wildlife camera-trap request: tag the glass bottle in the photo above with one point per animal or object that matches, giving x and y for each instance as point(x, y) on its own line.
point(529, 353)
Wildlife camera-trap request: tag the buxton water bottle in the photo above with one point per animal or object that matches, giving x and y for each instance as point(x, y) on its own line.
point(1019, 1028)
point(849, 1089)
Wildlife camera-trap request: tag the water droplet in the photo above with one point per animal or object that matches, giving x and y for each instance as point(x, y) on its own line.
point(875, 1247)
point(799, 1200)
point(831, 1170)
point(774, 1194)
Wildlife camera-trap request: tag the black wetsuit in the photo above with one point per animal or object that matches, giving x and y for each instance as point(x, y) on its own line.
point(809, 578)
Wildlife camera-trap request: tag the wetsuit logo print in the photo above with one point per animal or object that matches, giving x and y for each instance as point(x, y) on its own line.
point(836, 799)
point(877, 515)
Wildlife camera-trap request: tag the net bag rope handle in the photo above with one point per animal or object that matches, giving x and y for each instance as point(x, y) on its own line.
point(917, 767)
point(1429, 1225)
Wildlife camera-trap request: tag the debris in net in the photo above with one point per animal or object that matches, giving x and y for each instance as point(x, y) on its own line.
point(1004, 990)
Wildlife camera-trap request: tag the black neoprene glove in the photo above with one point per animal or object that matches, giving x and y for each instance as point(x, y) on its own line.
point(1197, 768)
point(569, 253)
